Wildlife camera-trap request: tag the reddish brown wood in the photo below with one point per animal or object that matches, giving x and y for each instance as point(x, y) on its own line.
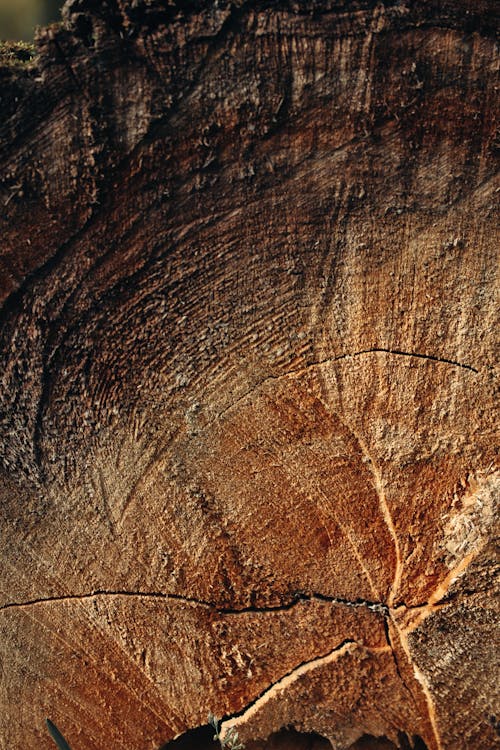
point(249, 338)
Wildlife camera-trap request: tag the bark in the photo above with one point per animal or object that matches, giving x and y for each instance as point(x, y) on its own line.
point(248, 277)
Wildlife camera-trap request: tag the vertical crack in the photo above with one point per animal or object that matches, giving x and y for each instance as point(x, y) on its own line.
point(419, 677)
point(388, 638)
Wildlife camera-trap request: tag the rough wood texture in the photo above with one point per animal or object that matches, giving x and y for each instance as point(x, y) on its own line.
point(248, 275)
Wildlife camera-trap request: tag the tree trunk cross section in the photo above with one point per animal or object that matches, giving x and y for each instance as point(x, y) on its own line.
point(249, 337)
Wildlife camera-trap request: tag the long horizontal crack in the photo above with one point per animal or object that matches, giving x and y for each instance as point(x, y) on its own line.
point(340, 357)
point(300, 597)
point(419, 355)
point(379, 607)
point(303, 597)
point(99, 593)
point(287, 680)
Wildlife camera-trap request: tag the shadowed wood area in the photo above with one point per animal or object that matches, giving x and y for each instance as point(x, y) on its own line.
point(248, 383)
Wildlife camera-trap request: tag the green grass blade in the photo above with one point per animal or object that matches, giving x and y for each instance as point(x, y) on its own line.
point(57, 736)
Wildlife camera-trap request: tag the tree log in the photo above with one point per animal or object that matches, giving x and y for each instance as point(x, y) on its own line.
point(249, 326)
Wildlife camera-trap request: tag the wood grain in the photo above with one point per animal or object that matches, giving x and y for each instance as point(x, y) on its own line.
point(248, 388)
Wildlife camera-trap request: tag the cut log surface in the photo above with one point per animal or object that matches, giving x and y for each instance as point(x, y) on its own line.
point(248, 383)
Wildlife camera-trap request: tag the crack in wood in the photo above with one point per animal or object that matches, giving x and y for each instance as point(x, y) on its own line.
point(67, 64)
point(388, 621)
point(346, 646)
point(284, 682)
point(388, 638)
point(101, 593)
point(373, 467)
point(419, 355)
point(298, 598)
point(389, 614)
point(437, 599)
point(417, 614)
point(392, 530)
point(339, 358)
point(422, 680)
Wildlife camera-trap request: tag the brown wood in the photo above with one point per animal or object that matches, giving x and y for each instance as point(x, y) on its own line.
point(249, 338)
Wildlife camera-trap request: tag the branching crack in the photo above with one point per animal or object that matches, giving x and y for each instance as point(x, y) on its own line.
point(390, 615)
point(378, 485)
point(349, 645)
point(299, 597)
point(409, 688)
